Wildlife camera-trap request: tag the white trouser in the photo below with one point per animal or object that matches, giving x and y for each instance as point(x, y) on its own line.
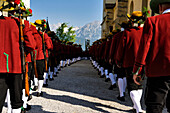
point(40, 85)
point(106, 73)
point(45, 77)
point(136, 97)
point(112, 78)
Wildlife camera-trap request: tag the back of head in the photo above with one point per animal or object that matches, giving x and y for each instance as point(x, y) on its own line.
point(154, 4)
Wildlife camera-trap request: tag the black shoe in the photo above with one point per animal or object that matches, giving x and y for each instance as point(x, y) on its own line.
point(51, 79)
point(121, 98)
point(35, 88)
point(61, 66)
point(29, 97)
point(101, 76)
point(39, 94)
point(108, 79)
point(59, 69)
point(112, 86)
point(55, 75)
point(133, 111)
point(45, 85)
point(28, 107)
point(99, 73)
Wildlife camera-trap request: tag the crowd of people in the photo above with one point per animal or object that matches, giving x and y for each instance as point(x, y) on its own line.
point(30, 56)
point(140, 48)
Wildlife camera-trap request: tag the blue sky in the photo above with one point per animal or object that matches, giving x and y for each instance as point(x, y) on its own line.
point(74, 12)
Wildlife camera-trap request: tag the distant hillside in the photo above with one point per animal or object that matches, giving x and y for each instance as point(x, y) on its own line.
point(91, 31)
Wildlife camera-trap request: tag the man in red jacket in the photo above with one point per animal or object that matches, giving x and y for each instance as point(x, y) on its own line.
point(10, 58)
point(40, 57)
point(154, 53)
point(127, 51)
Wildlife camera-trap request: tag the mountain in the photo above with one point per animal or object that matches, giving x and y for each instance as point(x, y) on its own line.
point(91, 31)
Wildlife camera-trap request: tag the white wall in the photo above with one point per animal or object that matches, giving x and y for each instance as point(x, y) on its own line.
point(27, 3)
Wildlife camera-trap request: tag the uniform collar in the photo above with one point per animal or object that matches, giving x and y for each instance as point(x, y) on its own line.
point(166, 11)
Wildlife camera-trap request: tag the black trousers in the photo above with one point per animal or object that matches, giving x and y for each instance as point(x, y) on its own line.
point(31, 70)
point(131, 85)
point(157, 94)
point(120, 72)
point(40, 69)
point(13, 82)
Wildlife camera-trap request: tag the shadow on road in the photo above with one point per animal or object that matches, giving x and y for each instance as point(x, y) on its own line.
point(80, 102)
point(38, 109)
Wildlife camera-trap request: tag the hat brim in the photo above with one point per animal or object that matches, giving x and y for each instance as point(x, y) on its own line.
point(154, 4)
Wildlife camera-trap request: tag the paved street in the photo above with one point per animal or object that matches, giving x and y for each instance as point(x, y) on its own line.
point(78, 89)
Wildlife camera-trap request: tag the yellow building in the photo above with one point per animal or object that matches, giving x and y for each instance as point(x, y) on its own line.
point(115, 11)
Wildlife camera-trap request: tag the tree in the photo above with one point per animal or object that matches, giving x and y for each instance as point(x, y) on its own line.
point(68, 35)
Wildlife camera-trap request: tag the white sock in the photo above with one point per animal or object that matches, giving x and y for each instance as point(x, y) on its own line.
point(55, 70)
point(124, 84)
point(16, 110)
point(58, 67)
point(8, 102)
point(111, 76)
point(98, 67)
point(106, 73)
point(120, 84)
point(49, 70)
point(35, 81)
point(136, 96)
point(61, 63)
point(45, 77)
point(51, 75)
point(101, 69)
point(32, 84)
point(24, 98)
point(40, 85)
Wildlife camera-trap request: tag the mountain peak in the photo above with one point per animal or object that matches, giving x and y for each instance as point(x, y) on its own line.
point(91, 31)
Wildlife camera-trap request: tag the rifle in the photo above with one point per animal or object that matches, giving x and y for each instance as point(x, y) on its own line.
point(44, 51)
point(24, 62)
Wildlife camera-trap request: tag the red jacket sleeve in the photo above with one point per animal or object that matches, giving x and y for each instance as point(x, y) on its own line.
point(48, 42)
point(28, 37)
point(144, 45)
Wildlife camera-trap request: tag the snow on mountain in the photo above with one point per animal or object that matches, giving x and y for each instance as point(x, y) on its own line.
point(91, 31)
point(53, 27)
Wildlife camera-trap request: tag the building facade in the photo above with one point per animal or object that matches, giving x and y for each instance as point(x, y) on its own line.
point(115, 12)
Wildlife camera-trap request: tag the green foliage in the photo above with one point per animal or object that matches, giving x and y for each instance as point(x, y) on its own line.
point(146, 12)
point(66, 36)
point(22, 4)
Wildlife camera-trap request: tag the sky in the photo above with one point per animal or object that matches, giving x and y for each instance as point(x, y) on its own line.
point(74, 12)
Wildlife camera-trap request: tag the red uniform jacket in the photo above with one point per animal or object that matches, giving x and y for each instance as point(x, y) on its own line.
point(38, 51)
point(10, 57)
point(107, 49)
point(48, 44)
point(154, 48)
point(128, 46)
point(114, 46)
